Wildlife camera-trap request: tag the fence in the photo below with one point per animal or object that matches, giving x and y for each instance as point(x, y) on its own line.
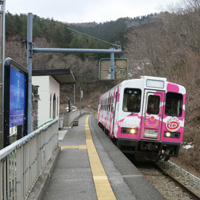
point(69, 117)
point(22, 162)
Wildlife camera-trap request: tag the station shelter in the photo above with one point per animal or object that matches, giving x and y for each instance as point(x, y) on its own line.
point(49, 82)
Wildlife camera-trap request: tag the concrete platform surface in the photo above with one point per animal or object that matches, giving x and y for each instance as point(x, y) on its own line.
point(73, 176)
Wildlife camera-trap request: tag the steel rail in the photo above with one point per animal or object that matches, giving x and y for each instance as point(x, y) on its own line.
point(162, 165)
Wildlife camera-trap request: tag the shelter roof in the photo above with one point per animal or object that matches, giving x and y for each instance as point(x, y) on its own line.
point(63, 76)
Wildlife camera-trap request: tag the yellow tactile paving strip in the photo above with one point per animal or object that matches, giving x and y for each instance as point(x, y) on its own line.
point(102, 184)
point(74, 147)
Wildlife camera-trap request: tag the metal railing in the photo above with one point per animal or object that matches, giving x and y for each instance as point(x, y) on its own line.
point(69, 117)
point(22, 162)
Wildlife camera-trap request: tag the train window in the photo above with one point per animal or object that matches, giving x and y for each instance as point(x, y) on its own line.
point(132, 99)
point(174, 102)
point(153, 104)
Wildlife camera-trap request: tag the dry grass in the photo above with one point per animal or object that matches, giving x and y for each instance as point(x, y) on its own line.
point(190, 157)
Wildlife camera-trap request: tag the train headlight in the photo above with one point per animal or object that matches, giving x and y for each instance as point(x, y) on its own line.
point(168, 134)
point(172, 134)
point(132, 131)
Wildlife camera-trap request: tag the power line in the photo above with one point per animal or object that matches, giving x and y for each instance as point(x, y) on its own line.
point(84, 34)
point(118, 46)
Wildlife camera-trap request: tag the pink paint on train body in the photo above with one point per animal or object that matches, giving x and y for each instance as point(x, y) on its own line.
point(120, 123)
point(152, 122)
point(110, 126)
point(184, 99)
point(173, 124)
point(172, 87)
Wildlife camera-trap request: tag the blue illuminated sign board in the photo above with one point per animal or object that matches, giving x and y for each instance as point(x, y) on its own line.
point(15, 101)
point(17, 97)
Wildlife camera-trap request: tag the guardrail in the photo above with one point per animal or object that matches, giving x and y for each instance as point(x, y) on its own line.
point(74, 115)
point(69, 117)
point(22, 162)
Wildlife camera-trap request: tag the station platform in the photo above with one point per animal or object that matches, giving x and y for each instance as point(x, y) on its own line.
point(91, 167)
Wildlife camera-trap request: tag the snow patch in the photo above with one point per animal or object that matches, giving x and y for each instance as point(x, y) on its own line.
point(188, 146)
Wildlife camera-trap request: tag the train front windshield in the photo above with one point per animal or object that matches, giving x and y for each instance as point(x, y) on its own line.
point(132, 99)
point(174, 102)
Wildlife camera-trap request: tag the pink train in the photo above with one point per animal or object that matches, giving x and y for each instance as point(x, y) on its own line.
point(145, 117)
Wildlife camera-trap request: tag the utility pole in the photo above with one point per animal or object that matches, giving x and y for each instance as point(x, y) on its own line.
point(29, 68)
point(2, 58)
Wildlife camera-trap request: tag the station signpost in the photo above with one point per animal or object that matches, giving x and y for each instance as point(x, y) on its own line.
point(119, 71)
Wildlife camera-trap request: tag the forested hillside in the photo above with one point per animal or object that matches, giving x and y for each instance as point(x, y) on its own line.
point(165, 44)
point(117, 29)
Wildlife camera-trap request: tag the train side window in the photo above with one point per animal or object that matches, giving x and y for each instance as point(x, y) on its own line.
point(132, 100)
point(174, 102)
point(153, 104)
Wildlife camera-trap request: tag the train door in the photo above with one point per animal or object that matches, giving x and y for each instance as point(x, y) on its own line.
point(152, 113)
point(114, 112)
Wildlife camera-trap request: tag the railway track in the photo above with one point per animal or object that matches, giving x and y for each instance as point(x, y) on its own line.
point(171, 181)
point(187, 180)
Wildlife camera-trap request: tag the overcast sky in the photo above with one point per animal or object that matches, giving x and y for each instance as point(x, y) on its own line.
point(77, 11)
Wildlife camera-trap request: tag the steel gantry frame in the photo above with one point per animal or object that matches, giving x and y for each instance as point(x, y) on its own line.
point(32, 49)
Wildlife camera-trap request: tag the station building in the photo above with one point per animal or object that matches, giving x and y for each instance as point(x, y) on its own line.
point(49, 82)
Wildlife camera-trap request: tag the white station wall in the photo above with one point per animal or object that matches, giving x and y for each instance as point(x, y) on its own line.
point(49, 92)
